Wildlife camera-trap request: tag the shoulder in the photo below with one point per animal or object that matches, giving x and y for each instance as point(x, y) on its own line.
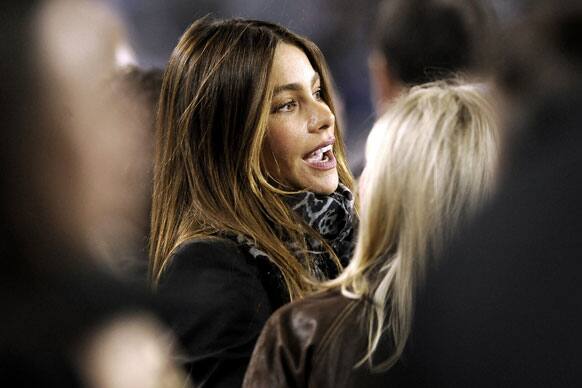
point(214, 299)
point(205, 249)
point(210, 267)
point(293, 337)
point(323, 308)
point(216, 303)
point(201, 257)
point(222, 263)
point(208, 245)
point(313, 321)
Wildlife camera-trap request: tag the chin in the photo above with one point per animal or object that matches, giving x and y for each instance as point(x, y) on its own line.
point(325, 185)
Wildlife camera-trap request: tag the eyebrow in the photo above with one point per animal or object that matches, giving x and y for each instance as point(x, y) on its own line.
point(294, 86)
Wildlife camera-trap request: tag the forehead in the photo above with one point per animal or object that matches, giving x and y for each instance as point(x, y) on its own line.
point(291, 65)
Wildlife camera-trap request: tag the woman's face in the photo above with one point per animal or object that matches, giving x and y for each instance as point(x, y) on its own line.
point(301, 127)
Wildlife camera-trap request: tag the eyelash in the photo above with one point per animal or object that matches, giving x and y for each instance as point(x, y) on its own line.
point(318, 94)
point(289, 104)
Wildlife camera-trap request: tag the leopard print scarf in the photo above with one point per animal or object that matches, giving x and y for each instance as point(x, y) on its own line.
point(333, 217)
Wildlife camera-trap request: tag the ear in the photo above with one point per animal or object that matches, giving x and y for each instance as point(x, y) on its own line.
point(385, 86)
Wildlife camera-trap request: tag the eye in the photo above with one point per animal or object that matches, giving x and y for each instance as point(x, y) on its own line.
point(318, 94)
point(285, 107)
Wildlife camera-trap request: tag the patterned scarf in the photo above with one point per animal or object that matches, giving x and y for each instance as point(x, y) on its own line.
point(333, 217)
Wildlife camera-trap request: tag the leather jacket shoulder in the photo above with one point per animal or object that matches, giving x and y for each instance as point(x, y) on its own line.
point(305, 344)
point(319, 341)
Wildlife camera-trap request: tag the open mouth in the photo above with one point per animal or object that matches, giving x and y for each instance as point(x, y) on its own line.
point(322, 158)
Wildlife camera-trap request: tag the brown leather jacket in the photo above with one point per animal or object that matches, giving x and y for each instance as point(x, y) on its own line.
point(316, 342)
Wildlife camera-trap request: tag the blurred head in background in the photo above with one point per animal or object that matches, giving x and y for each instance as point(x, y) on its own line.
point(418, 41)
point(65, 141)
point(67, 176)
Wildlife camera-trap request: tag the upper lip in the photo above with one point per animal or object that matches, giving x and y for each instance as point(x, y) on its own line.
point(321, 145)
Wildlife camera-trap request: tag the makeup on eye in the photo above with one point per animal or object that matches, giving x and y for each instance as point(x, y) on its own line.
point(318, 94)
point(285, 107)
point(290, 104)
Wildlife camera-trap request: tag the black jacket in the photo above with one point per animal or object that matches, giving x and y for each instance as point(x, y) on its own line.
point(217, 299)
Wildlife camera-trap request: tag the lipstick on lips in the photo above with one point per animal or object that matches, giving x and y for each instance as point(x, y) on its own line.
point(322, 158)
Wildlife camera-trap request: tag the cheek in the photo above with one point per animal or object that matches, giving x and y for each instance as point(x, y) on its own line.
point(285, 140)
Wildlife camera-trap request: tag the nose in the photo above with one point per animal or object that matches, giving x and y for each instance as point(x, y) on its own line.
point(321, 117)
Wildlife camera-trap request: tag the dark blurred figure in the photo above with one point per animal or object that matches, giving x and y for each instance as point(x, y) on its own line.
point(141, 90)
point(504, 309)
point(65, 322)
point(418, 41)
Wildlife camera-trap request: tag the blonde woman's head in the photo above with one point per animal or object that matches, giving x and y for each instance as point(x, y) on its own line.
point(431, 162)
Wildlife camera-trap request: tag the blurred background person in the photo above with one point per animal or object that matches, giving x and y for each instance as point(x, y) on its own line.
point(64, 141)
point(252, 202)
point(431, 163)
point(140, 89)
point(117, 176)
point(106, 146)
point(419, 41)
point(504, 308)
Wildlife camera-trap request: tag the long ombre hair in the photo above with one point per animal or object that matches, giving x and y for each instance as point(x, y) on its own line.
point(431, 162)
point(209, 174)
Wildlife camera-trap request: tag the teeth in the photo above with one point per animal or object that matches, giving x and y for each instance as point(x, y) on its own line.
point(318, 154)
point(326, 148)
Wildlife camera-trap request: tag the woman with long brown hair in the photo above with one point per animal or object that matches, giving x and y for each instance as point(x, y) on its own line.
point(252, 203)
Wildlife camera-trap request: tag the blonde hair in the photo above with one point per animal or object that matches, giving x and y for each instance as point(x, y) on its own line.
point(210, 176)
point(431, 161)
